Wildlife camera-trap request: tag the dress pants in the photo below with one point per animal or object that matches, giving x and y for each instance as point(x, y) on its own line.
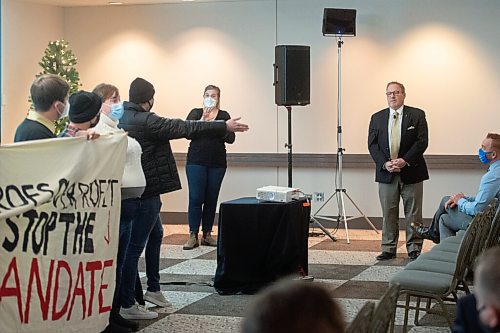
point(446, 222)
point(389, 195)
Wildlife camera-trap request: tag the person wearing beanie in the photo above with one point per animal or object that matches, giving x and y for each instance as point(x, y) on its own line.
point(141, 91)
point(84, 112)
point(154, 134)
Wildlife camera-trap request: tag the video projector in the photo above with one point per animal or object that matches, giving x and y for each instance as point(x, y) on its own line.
point(277, 193)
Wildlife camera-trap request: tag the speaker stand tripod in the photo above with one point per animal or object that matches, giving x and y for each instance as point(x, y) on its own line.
point(340, 191)
point(288, 145)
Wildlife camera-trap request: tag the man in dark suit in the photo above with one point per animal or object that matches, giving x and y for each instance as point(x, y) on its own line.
point(397, 140)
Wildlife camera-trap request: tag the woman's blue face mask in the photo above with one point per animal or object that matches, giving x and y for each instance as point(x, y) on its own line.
point(483, 156)
point(117, 111)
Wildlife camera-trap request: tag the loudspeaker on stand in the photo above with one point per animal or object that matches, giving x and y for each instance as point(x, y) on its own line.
point(292, 75)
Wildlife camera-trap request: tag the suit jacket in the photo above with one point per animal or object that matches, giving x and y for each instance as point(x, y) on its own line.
point(414, 141)
point(467, 319)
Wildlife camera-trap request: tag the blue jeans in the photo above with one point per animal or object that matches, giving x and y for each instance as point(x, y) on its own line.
point(123, 241)
point(152, 254)
point(204, 185)
point(145, 229)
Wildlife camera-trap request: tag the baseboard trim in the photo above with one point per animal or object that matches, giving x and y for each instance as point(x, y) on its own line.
point(349, 161)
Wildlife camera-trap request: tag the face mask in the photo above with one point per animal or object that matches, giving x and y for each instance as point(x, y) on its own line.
point(117, 111)
point(483, 156)
point(65, 111)
point(209, 102)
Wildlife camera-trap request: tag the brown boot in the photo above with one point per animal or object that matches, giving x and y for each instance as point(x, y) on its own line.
point(208, 240)
point(192, 241)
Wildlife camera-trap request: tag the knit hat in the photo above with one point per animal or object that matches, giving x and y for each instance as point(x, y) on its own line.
point(84, 106)
point(140, 91)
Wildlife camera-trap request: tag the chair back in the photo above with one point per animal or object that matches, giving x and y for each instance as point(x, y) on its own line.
point(385, 310)
point(494, 235)
point(363, 320)
point(482, 234)
point(465, 256)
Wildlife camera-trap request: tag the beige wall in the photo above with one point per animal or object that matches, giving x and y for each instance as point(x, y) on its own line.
point(444, 51)
point(26, 31)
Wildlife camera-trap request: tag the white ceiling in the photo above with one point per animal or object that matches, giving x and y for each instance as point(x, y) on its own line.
point(78, 3)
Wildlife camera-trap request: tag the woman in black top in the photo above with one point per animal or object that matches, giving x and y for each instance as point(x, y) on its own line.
point(205, 169)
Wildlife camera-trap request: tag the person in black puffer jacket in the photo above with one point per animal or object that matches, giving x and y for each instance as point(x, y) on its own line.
point(153, 134)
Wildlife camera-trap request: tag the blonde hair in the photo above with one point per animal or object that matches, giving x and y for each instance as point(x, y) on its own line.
point(105, 91)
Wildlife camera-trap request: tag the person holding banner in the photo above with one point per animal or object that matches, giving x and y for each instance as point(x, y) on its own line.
point(84, 113)
point(49, 94)
point(133, 184)
point(154, 134)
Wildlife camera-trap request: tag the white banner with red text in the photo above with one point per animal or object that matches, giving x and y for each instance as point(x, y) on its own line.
point(59, 220)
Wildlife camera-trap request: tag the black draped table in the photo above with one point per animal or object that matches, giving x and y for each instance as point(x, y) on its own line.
point(259, 242)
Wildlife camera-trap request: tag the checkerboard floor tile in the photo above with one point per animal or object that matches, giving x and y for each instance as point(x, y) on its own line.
point(349, 271)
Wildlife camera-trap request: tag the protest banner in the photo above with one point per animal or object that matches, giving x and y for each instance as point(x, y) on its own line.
point(59, 219)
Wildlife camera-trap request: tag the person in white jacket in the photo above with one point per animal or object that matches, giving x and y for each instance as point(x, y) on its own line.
point(133, 184)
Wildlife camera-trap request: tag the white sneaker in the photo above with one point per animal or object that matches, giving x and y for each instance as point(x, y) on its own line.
point(137, 311)
point(157, 298)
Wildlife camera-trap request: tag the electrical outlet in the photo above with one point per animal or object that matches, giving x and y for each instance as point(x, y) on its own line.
point(319, 196)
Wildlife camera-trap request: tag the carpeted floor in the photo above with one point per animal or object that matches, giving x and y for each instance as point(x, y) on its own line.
point(349, 271)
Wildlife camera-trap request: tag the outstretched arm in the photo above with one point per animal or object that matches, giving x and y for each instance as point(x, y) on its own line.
point(232, 125)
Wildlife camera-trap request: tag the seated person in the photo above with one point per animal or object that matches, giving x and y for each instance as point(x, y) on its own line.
point(84, 113)
point(293, 307)
point(480, 313)
point(456, 212)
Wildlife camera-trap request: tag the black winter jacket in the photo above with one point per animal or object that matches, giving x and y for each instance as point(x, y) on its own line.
point(153, 134)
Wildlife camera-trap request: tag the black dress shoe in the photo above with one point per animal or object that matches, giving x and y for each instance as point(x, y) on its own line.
point(424, 232)
point(386, 256)
point(413, 254)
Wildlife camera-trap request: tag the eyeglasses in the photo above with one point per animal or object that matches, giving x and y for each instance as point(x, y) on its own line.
point(395, 93)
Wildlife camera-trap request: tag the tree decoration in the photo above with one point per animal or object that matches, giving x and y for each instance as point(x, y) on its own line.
point(59, 59)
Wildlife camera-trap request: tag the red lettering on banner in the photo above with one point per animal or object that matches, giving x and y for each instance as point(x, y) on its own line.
point(16, 291)
point(58, 314)
point(58, 279)
point(102, 309)
point(91, 267)
point(78, 291)
point(44, 300)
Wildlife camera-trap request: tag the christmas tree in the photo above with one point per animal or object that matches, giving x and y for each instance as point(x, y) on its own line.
point(59, 59)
